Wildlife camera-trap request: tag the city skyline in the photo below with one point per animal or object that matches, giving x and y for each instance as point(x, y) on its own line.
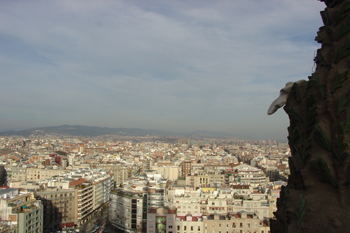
point(164, 65)
point(110, 183)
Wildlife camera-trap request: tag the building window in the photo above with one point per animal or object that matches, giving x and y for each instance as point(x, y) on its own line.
point(170, 226)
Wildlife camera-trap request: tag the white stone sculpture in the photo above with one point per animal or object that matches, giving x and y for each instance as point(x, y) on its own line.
point(282, 99)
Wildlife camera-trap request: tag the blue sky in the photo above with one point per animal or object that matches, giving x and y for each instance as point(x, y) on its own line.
point(160, 64)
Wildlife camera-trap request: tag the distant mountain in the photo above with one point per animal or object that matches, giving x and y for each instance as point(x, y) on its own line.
point(209, 134)
point(77, 130)
point(92, 131)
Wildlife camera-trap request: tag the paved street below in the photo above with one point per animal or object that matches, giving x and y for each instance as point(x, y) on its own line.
point(96, 223)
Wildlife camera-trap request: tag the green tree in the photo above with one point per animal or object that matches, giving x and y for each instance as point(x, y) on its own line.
point(317, 196)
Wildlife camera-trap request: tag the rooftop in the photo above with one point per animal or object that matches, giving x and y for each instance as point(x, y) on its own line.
point(77, 182)
point(8, 190)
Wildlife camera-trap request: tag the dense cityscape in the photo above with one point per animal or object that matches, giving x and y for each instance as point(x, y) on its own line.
point(150, 116)
point(148, 184)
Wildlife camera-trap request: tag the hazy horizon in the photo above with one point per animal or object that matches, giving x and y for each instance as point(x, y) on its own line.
point(185, 134)
point(164, 65)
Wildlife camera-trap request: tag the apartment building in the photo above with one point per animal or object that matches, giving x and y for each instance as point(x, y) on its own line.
point(188, 223)
point(128, 210)
point(214, 168)
point(232, 223)
point(260, 207)
point(161, 219)
point(42, 173)
point(185, 202)
point(59, 207)
point(150, 188)
point(186, 168)
point(223, 200)
point(204, 179)
point(84, 199)
point(168, 172)
point(16, 174)
point(239, 222)
point(250, 175)
point(120, 171)
point(146, 165)
point(30, 218)
point(102, 184)
point(155, 197)
point(70, 198)
point(21, 211)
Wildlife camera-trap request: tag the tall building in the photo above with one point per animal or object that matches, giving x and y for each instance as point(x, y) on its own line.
point(84, 196)
point(155, 196)
point(58, 206)
point(128, 210)
point(102, 187)
point(185, 168)
point(72, 197)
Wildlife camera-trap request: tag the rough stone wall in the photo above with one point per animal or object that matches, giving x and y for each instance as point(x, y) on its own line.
point(317, 196)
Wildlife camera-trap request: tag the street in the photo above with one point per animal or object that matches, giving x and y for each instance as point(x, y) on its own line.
point(96, 223)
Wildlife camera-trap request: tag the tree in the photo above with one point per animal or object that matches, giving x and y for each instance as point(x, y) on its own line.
point(3, 176)
point(317, 196)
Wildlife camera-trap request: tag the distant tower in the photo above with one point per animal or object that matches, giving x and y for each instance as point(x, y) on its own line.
point(186, 168)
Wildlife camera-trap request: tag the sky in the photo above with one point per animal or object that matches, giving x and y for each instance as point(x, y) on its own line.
point(173, 65)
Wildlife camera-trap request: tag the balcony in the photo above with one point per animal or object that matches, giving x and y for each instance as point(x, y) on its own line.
point(86, 199)
point(86, 195)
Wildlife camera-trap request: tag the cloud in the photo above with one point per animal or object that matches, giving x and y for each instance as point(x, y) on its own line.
point(174, 65)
